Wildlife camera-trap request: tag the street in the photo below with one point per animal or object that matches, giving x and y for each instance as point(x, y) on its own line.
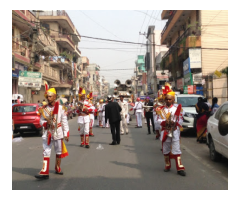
point(136, 164)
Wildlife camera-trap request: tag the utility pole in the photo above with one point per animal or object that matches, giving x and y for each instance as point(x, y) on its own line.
point(34, 40)
point(154, 66)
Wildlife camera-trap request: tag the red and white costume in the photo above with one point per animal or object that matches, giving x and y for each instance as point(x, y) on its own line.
point(171, 142)
point(62, 131)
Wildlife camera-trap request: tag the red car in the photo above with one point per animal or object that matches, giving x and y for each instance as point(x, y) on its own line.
point(26, 118)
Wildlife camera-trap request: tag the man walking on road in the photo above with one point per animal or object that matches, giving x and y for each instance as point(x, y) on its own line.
point(171, 123)
point(112, 112)
point(149, 114)
point(124, 113)
point(138, 111)
point(54, 121)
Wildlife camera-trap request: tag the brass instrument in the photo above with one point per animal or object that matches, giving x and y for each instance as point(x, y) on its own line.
point(117, 82)
point(147, 108)
point(128, 83)
point(169, 125)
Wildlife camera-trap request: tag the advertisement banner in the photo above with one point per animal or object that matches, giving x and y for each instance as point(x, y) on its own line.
point(30, 79)
point(188, 79)
point(162, 75)
point(186, 66)
point(190, 89)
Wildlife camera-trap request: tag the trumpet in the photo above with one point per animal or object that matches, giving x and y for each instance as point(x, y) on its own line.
point(147, 108)
point(169, 125)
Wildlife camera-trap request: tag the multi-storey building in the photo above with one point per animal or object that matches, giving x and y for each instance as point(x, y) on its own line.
point(93, 79)
point(141, 76)
point(59, 26)
point(197, 41)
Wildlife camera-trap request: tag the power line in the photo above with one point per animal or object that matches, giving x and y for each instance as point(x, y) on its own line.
point(99, 25)
point(146, 14)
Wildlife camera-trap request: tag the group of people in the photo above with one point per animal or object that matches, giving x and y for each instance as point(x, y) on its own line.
point(165, 115)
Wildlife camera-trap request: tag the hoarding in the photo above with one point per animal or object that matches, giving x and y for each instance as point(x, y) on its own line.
point(195, 56)
point(30, 79)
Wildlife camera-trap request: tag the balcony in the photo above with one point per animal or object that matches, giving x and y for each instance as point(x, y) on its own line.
point(78, 52)
point(59, 16)
point(76, 37)
point(174, 23)
point(64, 40)
point(185, 41)
point(22, 19)
point(85, 60)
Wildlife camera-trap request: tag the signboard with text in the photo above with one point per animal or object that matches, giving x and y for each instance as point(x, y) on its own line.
point(195, 56)
point(30, 79)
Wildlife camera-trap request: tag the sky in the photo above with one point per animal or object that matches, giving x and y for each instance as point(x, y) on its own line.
point(123, 25)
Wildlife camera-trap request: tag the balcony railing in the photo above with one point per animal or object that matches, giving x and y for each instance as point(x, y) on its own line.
point(78, 50)
point(56, 13)
point(186, 33)
point(168, 22)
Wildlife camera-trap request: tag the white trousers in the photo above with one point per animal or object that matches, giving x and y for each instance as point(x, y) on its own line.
point(84, 128)
point(105, 124)
point(123, 123)
point(175, 147)
point(128, 118)
point(47, 148)
point(139, 118)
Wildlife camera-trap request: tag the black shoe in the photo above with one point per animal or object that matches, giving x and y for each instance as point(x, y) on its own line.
point(136, 126)
point(149, 133)
point(140, 127)
point(87, 146)
point(118, 142)
point(60, 173)
point(126, 133)
point(39, 176)
point(113, 143)
point(166, 170)
point(81, 145)
point(182, 173)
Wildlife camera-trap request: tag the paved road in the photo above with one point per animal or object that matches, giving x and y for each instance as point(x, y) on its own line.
point(137, 163)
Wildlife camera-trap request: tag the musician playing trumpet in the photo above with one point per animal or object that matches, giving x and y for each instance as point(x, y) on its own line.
point(148, 108)
point(170, 120)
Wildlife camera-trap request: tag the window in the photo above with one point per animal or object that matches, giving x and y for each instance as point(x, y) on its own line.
point(187, 101)
point(221, 110)
point(24, 108)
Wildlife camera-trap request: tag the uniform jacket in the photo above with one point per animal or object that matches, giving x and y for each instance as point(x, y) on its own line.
point(112, 112)
point(124, 106)
point(62, 123)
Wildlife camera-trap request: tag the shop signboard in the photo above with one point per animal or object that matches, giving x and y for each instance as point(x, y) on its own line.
point(188, 79)
point(30, 79)
point(185, 89)
point(180, 83)
point(15, 73)
point(195, 57)
point(197, 78)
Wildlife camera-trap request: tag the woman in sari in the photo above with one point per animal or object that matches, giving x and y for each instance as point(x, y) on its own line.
point(202, 118)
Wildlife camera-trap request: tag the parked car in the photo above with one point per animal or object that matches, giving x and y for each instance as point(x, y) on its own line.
point(217, 134)
point(188, 102)
point(69, 112)
point(26, 118)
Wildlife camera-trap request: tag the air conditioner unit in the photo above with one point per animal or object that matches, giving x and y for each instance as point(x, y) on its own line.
point(25, 44)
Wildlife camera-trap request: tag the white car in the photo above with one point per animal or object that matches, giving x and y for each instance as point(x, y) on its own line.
point(217, 138)
point(188, 102)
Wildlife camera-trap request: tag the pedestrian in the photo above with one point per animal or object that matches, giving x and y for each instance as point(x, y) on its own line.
point(112, 113)
point(202, 117)
point(171, 143)
point(13, 127)
point(138, 109)
point(215, 106)
point(124, 113)
point(55, 124)
point(83, 118)
point(100, 113)
point(13, 102)
point(91, 114)
point(18, 100)
point(148, 108)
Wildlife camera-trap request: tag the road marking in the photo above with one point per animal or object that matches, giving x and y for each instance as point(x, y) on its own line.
point(204, 162)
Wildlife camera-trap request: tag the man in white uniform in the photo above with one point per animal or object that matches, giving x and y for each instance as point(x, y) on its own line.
point(83, 118)
point(54, 121)
point(138, 107)
point(171, 143)
point(91, 114)
point(124, 112)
